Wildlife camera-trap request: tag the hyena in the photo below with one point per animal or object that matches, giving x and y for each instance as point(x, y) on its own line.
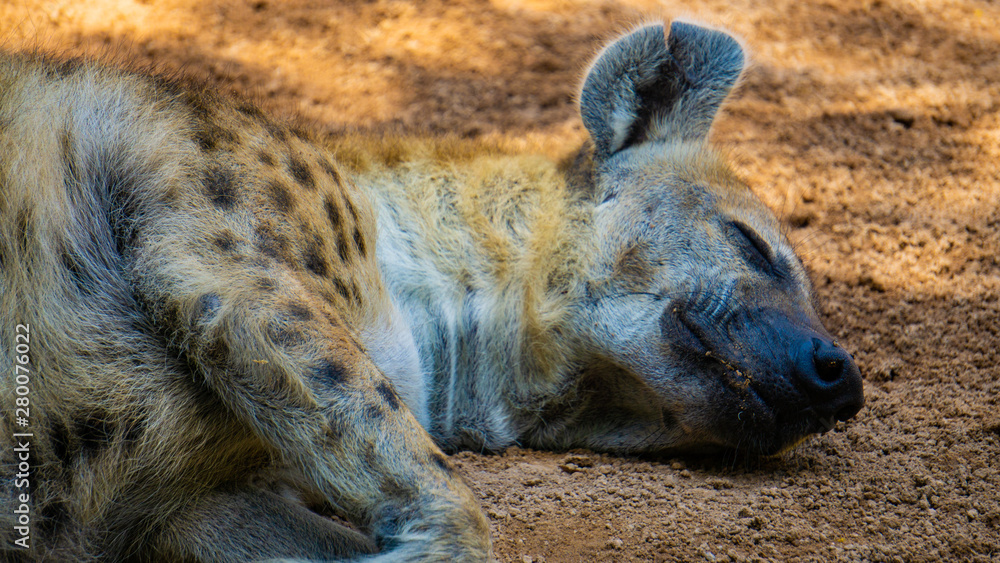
point(235, 331)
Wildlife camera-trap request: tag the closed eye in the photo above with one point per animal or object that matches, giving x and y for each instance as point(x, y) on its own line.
point(756, 251)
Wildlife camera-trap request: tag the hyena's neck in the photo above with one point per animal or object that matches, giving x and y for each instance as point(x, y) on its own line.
point(483, 256)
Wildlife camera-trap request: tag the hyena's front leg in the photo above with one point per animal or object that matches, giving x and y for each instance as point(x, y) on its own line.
point(283, 363)
point(213, 528)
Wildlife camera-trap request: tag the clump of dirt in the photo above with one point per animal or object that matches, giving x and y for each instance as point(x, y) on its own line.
point(871, 127)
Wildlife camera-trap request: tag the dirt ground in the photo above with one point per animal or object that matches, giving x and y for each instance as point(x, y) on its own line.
point(872, 127)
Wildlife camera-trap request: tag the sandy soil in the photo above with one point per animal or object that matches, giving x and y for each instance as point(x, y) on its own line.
point(870, 126)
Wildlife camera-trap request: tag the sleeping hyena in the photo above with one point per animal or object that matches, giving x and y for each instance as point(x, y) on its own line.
point(218, 331)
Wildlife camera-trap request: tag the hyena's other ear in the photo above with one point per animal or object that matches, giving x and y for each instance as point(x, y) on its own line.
point(644, 87)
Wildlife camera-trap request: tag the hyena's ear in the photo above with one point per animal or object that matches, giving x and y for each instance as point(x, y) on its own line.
point(647, 88)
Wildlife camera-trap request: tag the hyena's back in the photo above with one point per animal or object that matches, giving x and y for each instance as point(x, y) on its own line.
point(189, 320)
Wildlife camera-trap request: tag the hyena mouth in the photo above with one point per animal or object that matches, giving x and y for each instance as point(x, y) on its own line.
point(785, 379)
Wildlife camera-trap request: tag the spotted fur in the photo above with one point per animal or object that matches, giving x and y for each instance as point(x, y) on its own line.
point(241, 329)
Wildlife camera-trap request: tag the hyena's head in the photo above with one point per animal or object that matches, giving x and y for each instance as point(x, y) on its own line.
point(696, 295)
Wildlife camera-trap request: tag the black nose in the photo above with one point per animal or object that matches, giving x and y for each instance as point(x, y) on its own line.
point(828, 374)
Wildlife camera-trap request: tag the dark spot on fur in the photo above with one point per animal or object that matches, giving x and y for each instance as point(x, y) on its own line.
point(342, 249)
point(206, 140)
point(351, 209)
point(272, 244)
point(121, 188)
point(313, 259)
point(389, 394)
point(341, 288)
point(280, 196)
point(329, 298)
point(299, 311)
point(198, 103)
point(279, 133)
point(330, 373)
point(226, 136)
point(56, 67)
point(224, 241)
point(332, 213)
point(208, 306)
point(170, 87)
point(316, 264)
point(24, 223)
point(95, 431)
point(67, 67)
point(356, 293)
point(359, 242)
point(265, 284)
point(210, 136)
point(77, 273)
point(59, 440)
point(220, 186)
point(442, 463)
point(54, 515)
point(330, 170)
point(250, 110)
point(300, 171)
point(266, 159)
point(302, 134)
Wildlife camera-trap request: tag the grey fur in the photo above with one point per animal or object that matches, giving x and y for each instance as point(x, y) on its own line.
point(238, 329)
point(645, 87)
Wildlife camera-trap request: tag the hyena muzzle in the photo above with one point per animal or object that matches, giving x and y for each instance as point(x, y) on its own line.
point(234, 330)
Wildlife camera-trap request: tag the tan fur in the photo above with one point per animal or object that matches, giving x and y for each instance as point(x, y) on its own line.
point(239, 329)
point(511, 217)
point(145, 223)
